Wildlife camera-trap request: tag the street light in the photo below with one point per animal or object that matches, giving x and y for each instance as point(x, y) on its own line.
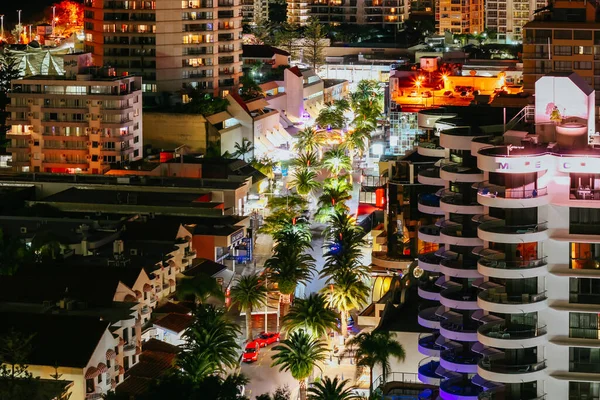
point(53, 19)
point(1, 27)
point(20, 28)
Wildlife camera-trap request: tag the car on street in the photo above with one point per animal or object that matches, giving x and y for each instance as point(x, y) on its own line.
point(414, 93)
point(251, 352)
point(464, 94)
point(426, 94)
point(267, 338)
point(448, 93)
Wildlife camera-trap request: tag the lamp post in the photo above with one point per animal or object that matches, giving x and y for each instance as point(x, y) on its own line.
point(19, 25)
point(53, 19)
point(1, 27)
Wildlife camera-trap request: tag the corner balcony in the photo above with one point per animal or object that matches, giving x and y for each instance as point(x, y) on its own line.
point(499, 369)
point(458, 138)
point(429, 290)
point(381, 259)
point(455, 329)
point(426, 371)
point(431, 149)
point(428, 318)
point(500, 395)
point(454, 234)
point(455, 203)
point(499, 268)
point(430, 176)
point(429, 203)
point(430, 234)
point(508, 158)
point(458, 298)
point(511, 336)
point(429, 261)
point(459, 388)
point(458, 173)
point(428, 345)
point(458, 360)
point(491, 195)
point(497, 300)
point(459, 268)
point(484, 141)
point(499, 232)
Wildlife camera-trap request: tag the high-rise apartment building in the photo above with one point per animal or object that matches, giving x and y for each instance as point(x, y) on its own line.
point(459, 16)
point(511, 266)
point(507, 18)
point(80, 122)
point(255, 11)
point(361, 12)
point(173, 44)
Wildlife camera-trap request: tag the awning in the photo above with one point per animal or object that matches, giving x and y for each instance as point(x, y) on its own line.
point(171, 282)
point(147, 287)
point(219, 117)
point(110, 354)
point(138, 294)
point(121, 370)
point(257, 104)
point(121, 342)
point(171, 263)
point(102, 368)
point(91, 373)
point(130, 298)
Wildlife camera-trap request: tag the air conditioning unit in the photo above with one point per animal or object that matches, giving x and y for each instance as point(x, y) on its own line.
point(30, 101)
point(30, 115)
point(87, 130)
point(99, 102)
point(87, 116)
point(89, 102)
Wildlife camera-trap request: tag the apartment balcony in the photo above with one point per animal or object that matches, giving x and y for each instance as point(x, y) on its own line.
point(65, 164)
point(498, 231)
point(429, 290)
point(485, 141)
point(428, 318)
point(497, 300)
point(454, 234)
point(498, 369)
point(18, 149)
point(506, 158)
point(19, 135)
point(457, 138)
point(64, 138)
point(145, 310)
point(129, 350)
point(457, 360)
point(511, 336)
point(383, 260)
point(428, 346)
point(456, 329)
point(495, 267)
point(430, 234)
point(431, 149)
point(455, 203)
point(430, 176)
point(500, 395)
point(429, 261)
point(458, 298)
point(459, 388)
point(491, 195)
point(426, 371)
point(429, 203)
point(459, 173)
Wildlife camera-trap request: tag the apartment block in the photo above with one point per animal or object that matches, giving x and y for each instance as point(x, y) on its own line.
point(459, 16)
point(174, 44)
point(507, 18)
point(362, 12)
point(80, 122)
point(255, 11)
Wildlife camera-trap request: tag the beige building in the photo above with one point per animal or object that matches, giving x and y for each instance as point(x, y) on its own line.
point(361, 12)
point(255, 11)
point(80, 122)
point(459, 16)
point(173, 44)
point(507, 18)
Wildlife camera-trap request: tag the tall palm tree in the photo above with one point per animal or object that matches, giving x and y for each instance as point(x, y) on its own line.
point(201, 287)
point(246, 147)
point(305, 182)
point(306, 160)
point(299, 354)
point(347, 292)
point(331, 117)
point(331, 389)
point(336, 192)
point(373, 348)
point(309, 139)
point(357, 141)
point(311, 315)
point(336, 160)
point(210, 343)
point(250, 293)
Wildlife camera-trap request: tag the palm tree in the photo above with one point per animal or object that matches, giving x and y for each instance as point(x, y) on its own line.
point(210, 343)
point(306, 160)
point(331, 389)
point(308, 139)
point(356, 141)
point(336, 160)
point(347, 292)
point(299, 354)
point(331, 117)
point(336, 192)
point(242, 149)
point(305, 182)
point(249, 293)
point(201, 287)
point(372, 348)
point(311, 315)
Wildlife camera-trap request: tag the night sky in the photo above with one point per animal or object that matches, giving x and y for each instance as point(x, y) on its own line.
point(33, 11)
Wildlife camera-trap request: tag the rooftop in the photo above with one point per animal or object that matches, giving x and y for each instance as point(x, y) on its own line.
point(175, 322)
point(327, 83)
point(169, 307)
point(204, 266)
point(262, 51)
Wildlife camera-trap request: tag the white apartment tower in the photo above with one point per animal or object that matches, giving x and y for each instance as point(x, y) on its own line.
point(507, 17)
point(517, 266)
point(80, 122)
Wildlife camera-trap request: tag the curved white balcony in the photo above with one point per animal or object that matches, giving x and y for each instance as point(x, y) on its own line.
point(458, 173)
point(429, 290)
point(458, 138)
point(430, 176)
point(511, 336)
point(429, 261)
point(455, 203)
point(498, 369)
point(427, 118)
point(497, 231)
point(497, 300)
point(457, 360)
point(428, 318)
point(459, 268)
point(426, 371)
point(457, 330)
point(511, 159)
point(456, 235)
point(458, 298)
point(429, 203)
point(381, 259)
point(430, 234)
point(500, 395)
point(431, 149)
point(491, 195)
point(427, 344)
point(484, 141)
point(459, 388)
point(499, 268)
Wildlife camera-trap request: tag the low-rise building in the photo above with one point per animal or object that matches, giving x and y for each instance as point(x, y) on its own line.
point(335, 89)
point(264, 54)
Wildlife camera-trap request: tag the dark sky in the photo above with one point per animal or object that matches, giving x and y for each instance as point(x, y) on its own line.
point(33, 10)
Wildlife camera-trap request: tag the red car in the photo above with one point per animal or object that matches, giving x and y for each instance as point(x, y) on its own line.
point(267, 338)
point(251, 352)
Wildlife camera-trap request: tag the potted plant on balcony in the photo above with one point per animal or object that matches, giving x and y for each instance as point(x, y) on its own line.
point(555, 115)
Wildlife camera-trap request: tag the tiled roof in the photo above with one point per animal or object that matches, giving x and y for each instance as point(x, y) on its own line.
point(175, 322)
point(261, 51)
point(170, 307)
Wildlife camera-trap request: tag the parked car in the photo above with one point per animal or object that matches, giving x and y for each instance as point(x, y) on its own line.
point(267, 338)
point(414, 93)
point(448, 93)
point(251, 352)
point(464, 94)
point(426, 94)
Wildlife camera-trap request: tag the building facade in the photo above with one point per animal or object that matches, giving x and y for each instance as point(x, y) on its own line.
point(255, 11)
point(361, 12)
point(459, 17)
point(174, 45)
point(507, 18)
point(77, 123)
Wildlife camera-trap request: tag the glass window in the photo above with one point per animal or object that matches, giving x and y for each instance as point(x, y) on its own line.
point(583, 359)
point(583, 326)
point(584, 391)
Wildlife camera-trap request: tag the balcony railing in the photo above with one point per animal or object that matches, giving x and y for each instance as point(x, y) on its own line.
point(499, 226)
point(499, 296)
point(503, 366)
point(492, 395)
point(491, 190)
point(428, 199)
point(518, 264)
point(502, 330)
